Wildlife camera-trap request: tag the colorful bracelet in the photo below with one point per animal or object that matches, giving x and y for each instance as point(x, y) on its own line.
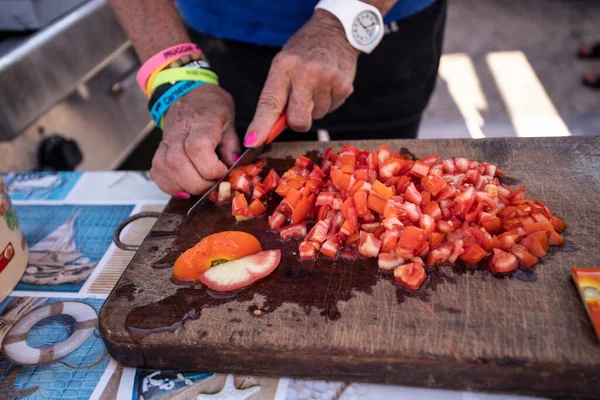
point(169, 97)
point(181, 74)
point(157, 94)
point(162, 60)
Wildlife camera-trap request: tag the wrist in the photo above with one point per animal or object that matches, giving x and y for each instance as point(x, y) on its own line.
point(333, 28)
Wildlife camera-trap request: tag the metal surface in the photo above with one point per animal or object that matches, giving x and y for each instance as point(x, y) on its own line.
point(24, 15)
point(247, 158)
point(107, 116)
point(40, 70)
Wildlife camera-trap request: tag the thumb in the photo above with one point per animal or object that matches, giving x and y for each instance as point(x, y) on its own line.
point(271, 103)
point(229, 148)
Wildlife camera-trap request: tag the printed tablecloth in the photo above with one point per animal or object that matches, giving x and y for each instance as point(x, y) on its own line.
point(69, 220)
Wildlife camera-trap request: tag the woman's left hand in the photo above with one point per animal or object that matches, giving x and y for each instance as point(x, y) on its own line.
point(312, 75)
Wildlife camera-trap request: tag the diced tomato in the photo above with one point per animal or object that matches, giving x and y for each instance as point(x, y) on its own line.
point(277, 220)
point(558, 224)
point(259, 191)
point(542, 237)
point(440, 254)
point(392, 223)
point(380, 190)
point(293, 230)
point(323, 212)
point(283, 190)
point(319, 232)
point(448, 226)
point(376, 204)
point(412, 238)
point(325, 198)
point(518, 194)
point(419, 169)
point(389, 241)
point(410, 275)
point(525, 257)
point(239, 204)
point(461, 164)
point(473, 254)
point(301, 210)
point(433, 209)
point(502, 261)
point(427, 223)
point(350, 214)
point(307, 251)
point(390, 168)
point(304, 162)
point(430, 160)
point(331, 246)
point(369, 245)
point(370, 227)
point(413, 195)
point(533, 244)
point(383, 153)
point(360, 185)
point(457, 251)
point(257, 208)
point(214, 196)
point(388, 261)
point(490, 222)
point(224, 192)
point(360, 201)
point(464, 201)
point(433, 184)
point(556, 239)
point(241, 183)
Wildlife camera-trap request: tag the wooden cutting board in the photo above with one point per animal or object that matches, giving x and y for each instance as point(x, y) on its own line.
point(345, 320)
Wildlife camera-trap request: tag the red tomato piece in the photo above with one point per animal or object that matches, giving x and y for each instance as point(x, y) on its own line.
point(389, 241)
point(461, 164)
point(331, 246)
point(360, 201)
point(241, 183)
point(473, 254)
point(380, 190)
point(525, 257)
point(407, 254)
point(383, 154)
point(427, 223)
point(319, 232)
point(412, 238)
point(430, 160)
point(457, 251)
point(419, 169)
point(490, 223)
point(388, 261)
point(325, 198)
point(433, 209)
point(376, 204)
point(307, 251)
point(435, 239)
point(239, 203)
point(440, 254)
point(257, 208)
point(433, 184)
point(369, 245)
point(413, 195)
point(448, 226)
point(277, 220)
point(214, 197)
point(464, 201)
point(259, 191)
point(392, 223)
point(304, 162)
point(301, 210)
point(293, 230)
point(410, 275)
point(558, 224)
point(502, 261)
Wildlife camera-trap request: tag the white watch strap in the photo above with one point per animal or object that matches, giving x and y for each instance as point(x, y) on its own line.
point(346, 11)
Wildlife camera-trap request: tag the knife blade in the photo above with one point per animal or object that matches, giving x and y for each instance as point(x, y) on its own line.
point(246, 158)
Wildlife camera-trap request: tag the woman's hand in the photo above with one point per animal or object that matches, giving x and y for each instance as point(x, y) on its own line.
point(197, 127)
point(312, 75)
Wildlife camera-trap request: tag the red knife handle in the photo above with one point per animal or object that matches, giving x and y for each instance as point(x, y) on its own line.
point(277, 128)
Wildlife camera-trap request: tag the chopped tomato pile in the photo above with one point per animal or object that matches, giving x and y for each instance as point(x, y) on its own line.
point(411, 215)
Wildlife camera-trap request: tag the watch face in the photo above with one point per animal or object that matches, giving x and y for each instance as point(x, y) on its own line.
point(365, 27)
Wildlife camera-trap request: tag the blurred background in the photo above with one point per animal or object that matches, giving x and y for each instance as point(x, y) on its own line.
point(68, 96)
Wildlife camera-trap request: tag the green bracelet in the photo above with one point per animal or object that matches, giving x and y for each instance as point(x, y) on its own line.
point(184, 74)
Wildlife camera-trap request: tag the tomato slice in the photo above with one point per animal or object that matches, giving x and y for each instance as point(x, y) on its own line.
point(307, 251)
point(380, 190)
point(376, 204)
point(389, 241)
point(257, 208)
point(525, 257)
point(419, 169)
point(301, 210)
point(412, 194)
point(304, 162)
point(369, 245)
point(277, 220)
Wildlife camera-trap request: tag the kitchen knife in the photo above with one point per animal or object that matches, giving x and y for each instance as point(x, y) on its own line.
point(246, 158)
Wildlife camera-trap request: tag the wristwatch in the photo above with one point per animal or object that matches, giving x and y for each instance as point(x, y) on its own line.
point(361, 21)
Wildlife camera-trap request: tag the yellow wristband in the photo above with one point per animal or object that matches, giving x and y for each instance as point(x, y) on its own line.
point(182, 74)
point(152, 76)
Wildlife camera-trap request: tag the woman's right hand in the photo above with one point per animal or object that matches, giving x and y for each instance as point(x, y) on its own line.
point(199, 142)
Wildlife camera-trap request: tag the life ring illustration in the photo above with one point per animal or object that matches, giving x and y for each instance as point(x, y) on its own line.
point(16, 349)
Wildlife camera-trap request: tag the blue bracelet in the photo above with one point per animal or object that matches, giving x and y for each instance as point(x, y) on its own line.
point(169, 97)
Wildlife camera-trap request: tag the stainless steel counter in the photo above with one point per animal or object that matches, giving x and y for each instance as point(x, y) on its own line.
point(39, 70)
point(75, 78)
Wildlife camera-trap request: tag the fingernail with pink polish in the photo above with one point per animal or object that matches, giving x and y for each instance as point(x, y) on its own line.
point(236, 157)
point(182, 195)
point(250, 139)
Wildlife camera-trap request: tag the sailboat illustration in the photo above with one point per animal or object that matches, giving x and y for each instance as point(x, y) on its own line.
point(55, 259)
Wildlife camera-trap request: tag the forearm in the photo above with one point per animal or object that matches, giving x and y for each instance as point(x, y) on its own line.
point(151, 25)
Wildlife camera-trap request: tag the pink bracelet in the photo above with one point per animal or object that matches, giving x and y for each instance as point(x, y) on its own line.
point(163, 57)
